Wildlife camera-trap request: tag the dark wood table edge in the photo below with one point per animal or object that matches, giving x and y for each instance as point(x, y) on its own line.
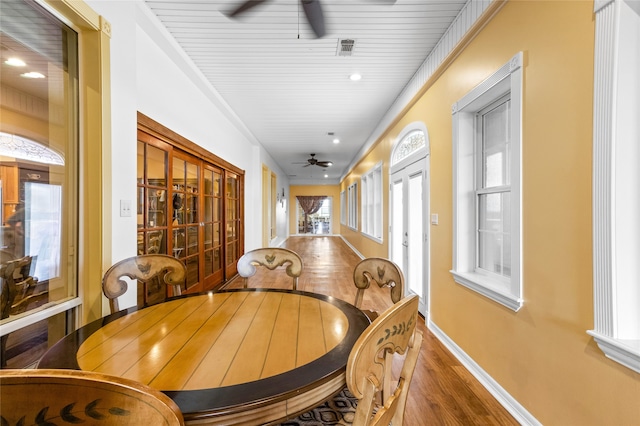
point(199, 404)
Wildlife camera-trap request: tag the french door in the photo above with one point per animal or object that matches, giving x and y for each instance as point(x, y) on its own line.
point(409, 233)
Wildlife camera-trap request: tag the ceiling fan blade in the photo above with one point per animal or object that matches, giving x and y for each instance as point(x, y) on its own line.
point(247, 5)
point(315, 17)
point(324, 163)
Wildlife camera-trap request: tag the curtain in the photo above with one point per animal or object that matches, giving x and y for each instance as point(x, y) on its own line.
point(310, 205)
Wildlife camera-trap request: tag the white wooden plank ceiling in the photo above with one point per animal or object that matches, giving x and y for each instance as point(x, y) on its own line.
point(292, 89)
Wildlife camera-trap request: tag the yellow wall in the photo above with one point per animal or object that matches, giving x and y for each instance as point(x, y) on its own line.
point(366, 246)
point(315, 190)
point(541, 355)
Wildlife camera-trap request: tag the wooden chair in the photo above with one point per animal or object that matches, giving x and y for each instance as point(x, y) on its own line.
point(394, 331)
point(270, 258)
point(382, 272)
point(72, 396)
point(145, 268)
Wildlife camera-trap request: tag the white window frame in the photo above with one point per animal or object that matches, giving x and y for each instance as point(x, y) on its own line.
point(343, 207)
point(616, 182)
point(507, 291)
point(352, 206)
point(372, 202)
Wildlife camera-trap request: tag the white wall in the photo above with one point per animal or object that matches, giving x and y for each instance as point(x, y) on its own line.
point(151, 74)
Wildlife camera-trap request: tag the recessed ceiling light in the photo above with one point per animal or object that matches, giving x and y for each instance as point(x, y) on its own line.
point(336, 140)
point(32, 74)
point(326, 176)
point(355, 77)
point(15, 62)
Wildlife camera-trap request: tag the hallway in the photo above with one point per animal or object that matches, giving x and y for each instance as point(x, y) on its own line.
point(443, 392)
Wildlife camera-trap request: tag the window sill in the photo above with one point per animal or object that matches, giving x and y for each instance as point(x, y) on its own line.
point(490, 288)
point(371, 237)
point(625, 352)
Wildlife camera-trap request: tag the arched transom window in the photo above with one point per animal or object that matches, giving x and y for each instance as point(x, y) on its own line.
point(413, 142)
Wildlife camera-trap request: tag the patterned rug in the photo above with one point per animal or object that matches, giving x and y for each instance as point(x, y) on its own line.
point(336, 411)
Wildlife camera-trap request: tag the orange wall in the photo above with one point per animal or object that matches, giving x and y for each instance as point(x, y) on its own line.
point(541, 355)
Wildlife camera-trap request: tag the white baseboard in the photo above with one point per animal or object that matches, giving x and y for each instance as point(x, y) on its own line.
point(507, 401)
point(352, 247)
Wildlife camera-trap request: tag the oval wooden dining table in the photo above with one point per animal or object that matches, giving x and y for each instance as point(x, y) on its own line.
point(250, 356)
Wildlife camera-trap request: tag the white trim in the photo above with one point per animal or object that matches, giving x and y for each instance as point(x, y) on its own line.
point(371, 222)
point(360, 255)
point(488, 289)
point(33, 317)
point(506, 80)
point(510, 404)
point(616, 181)
point(624, 352)
point(414, 156)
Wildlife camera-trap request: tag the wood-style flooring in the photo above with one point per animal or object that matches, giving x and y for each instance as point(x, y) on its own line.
point(442, 392)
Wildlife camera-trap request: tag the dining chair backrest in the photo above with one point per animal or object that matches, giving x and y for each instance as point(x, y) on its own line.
point(73, 396)
point(382, 272)
point(270, 258)
point(394, 331)
point(146, 268)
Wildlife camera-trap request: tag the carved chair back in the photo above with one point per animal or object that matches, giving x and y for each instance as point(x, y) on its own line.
point(146, 268)
point(270, 258)
point(72, 396)
point(382, 272)
point(394, 331)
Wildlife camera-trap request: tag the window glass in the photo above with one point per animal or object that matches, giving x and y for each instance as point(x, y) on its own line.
point(495, 145)
point(38, 171)
point(493, 193)
point(487, 186)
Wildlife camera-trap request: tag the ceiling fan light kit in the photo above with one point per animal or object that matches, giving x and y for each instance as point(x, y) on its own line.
point(315, 162)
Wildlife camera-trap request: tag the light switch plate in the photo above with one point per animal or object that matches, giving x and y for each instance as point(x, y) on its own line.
point(125, 208)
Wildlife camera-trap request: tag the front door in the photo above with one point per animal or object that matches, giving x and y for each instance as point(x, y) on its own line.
point(409, 236)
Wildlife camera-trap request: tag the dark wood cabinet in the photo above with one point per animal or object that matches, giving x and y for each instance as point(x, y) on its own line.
point(189, 205)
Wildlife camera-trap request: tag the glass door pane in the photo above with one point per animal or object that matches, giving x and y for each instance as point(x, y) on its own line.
point(185, 225)
point(232, 223)
point(415, 235)
point(152, 197)
point(212, 224)
point(408, 228)
point(397, 223)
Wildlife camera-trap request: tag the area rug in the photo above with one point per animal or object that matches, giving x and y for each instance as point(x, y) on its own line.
point(337, 411)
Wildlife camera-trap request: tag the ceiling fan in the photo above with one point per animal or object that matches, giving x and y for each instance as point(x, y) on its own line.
point(312, 10)
point(314, 162)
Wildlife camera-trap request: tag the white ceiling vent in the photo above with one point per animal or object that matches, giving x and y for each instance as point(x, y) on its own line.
point(345, 47)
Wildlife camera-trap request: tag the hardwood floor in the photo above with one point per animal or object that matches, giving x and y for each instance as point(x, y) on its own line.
point(443, 392)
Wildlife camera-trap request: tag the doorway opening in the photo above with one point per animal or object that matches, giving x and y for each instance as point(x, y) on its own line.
point(317, 219)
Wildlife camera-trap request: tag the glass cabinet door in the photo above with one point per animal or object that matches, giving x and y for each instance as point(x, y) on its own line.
point(234, 246)
point(212, 221)
point(185, 222)
point(152, 180)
